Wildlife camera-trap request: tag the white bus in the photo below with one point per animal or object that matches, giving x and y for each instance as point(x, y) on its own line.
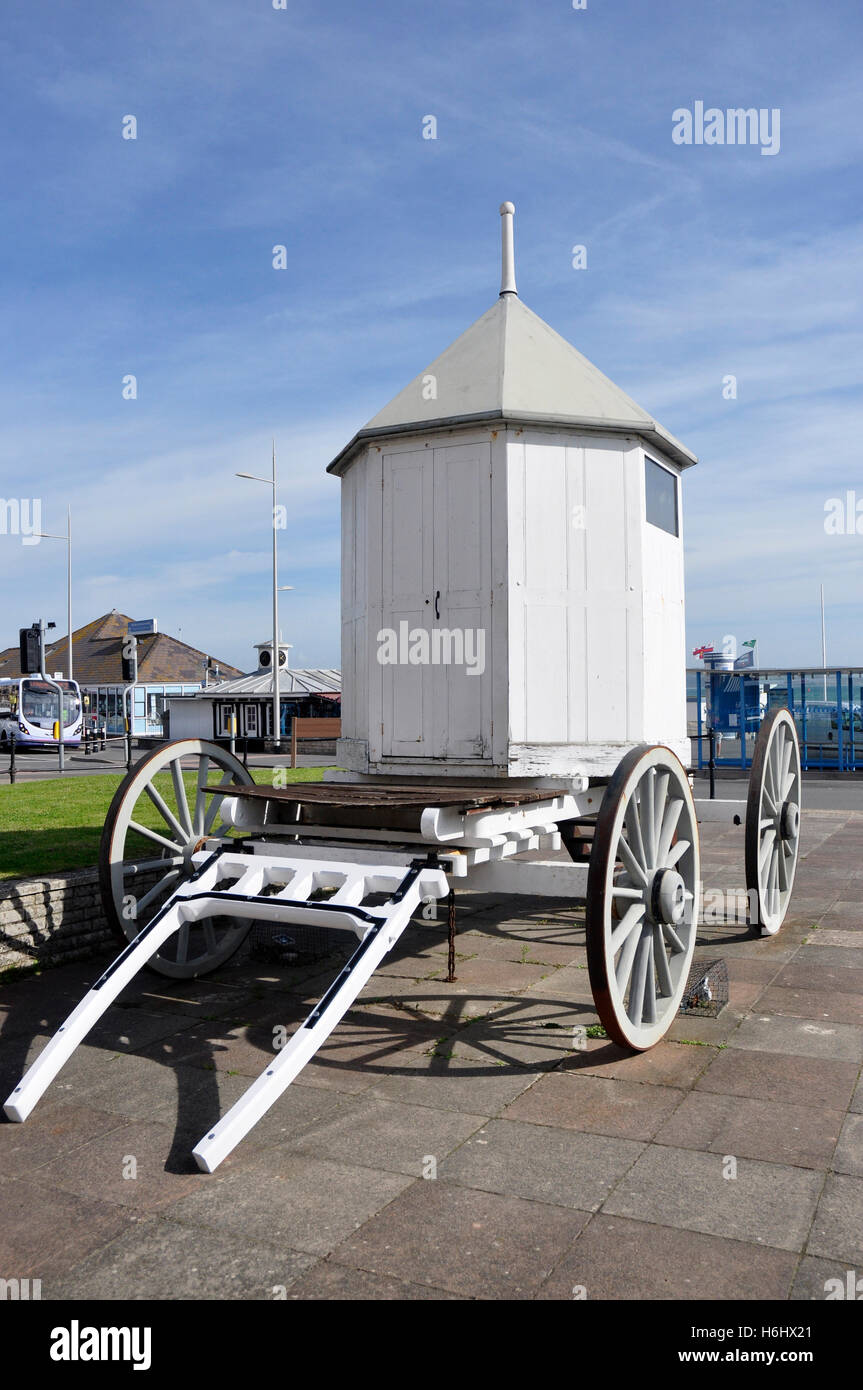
point(28, 710)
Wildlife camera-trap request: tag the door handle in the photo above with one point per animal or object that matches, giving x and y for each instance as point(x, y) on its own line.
point(436, 610)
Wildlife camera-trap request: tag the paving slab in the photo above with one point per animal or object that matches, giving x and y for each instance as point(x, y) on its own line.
point(848, 1157)
point(837, 1230)
point(818, 1005)
point(596, 1105)
point(45, 1231)
point(281, 1198)
point(773, 1076)
point(329, 1282)
point(766, 1203)
point(539, 1163)
point(667, 1064)
point(162, 1259)
point(450, 1083)
point(818, 1281)
point(507, 1246)
point(618, 1258)
point(388, 1135)
point(773, 1131)
point(799, 1037)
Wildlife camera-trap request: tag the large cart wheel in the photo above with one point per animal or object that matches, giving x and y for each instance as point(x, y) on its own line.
point(143, 857)
point(773, 819)
point(643, 889)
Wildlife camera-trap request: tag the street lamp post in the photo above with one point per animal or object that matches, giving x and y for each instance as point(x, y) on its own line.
point(277, 721)
point(48, 536)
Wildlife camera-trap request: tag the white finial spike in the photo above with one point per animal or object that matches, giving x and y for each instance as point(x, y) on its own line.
point(507, 252)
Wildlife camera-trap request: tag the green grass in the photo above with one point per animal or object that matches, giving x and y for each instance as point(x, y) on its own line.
point(49, 826)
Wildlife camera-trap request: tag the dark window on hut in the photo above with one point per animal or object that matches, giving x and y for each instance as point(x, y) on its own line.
point(660, 491)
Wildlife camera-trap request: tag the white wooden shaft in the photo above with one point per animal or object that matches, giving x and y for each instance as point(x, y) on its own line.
point(304, 1043)
point(57, 1052)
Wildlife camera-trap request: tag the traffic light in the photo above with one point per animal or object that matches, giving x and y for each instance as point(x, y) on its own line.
point(29, 647)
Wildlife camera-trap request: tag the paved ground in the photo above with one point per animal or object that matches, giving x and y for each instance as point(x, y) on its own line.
point(726, 1163)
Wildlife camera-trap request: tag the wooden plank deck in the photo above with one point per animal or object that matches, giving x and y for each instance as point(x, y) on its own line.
point(345, 795)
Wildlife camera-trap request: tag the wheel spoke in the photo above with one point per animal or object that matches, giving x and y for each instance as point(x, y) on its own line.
point(180, 795)
point(786, 763)
point(620, 891)
point(635, 1007)
point(143, 866)
point(767, 799)
point(772, 892)
point(669, 825)
point(203, 774)
point(648, 787)
point(165, 811)
point(632, 827)
point(215, 803)
point(660, 797)
point(676, 853)
point(766, 849)
point(623, 969)
point(209, 933)
point(153, 835)
point(661, 959)
point(782, 867)
point(157, 888)
point(628, 923)
point(631, 864)
point(648, 1012)
point(671, 936)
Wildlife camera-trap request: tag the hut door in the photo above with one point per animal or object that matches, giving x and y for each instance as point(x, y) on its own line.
point(436, 610)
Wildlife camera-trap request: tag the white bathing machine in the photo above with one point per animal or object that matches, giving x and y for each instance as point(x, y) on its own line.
point(513, 681)
point(512, 566)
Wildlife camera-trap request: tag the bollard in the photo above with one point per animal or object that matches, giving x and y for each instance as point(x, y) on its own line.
point(711, 762)
point(450, 974)
point(232, 724)
point(86, 742)
point(12, 772)
point(294, 741)
point(102, 743)
point(128, 742)
point(245, 750)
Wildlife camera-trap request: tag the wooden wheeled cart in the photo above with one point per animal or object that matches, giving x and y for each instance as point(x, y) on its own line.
point(365, 856)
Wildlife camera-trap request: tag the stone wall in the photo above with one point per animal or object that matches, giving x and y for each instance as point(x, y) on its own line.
point(50, 919)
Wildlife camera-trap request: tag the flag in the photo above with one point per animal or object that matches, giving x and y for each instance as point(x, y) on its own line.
point(699, 651)
point(751, 643)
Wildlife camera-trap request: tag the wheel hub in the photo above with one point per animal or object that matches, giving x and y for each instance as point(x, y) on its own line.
point(667, 897)
point(789, 821)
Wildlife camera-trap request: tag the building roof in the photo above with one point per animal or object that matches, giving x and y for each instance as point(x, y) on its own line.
point(511, 366)
point(97, 653)
point(321, 682)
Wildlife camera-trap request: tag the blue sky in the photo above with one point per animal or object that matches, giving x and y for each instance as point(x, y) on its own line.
point(303, 127)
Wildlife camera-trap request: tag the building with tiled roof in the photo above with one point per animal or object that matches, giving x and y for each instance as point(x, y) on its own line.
point(166, 666)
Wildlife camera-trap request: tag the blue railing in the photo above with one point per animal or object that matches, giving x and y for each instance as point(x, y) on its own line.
point(827, 707)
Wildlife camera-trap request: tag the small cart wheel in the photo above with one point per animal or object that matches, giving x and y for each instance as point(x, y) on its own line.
point(643, 889)
point(155, 851)
point(773, 819)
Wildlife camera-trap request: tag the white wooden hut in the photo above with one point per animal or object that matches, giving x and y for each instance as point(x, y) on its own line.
point(512, 564)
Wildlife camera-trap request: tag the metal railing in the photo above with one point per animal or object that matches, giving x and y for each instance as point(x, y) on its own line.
point(826, 705)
